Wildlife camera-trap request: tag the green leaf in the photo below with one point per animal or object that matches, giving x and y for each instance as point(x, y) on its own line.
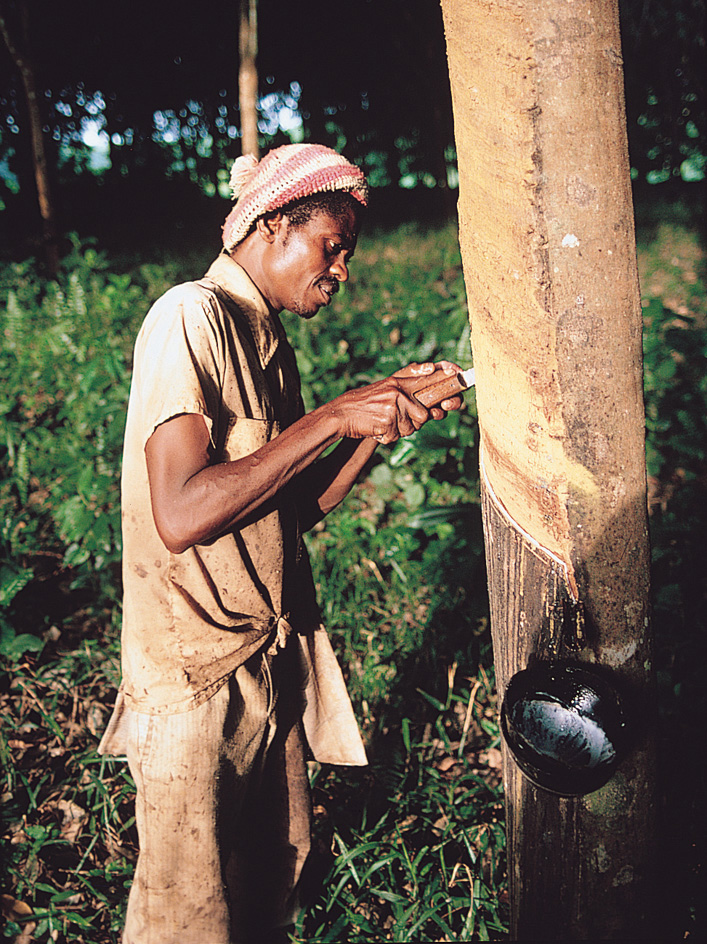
point(11, 582)
point(15, 648)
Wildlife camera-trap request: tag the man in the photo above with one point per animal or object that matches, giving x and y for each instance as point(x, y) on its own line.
point(228, 677)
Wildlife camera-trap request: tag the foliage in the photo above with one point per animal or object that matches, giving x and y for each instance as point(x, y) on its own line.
point(65, 359)
point(419, 855)
point(411, 848)
point(663, 47)
point(675, 355)
point(66, 814)
point(673, 276)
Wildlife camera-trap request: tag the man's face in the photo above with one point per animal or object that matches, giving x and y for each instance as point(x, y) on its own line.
point(309, 261)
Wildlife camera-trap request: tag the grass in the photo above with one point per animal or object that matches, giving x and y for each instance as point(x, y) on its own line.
point(67, 813)
point(409, 850)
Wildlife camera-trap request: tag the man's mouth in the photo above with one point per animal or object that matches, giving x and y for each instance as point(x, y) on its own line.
point(328, 290)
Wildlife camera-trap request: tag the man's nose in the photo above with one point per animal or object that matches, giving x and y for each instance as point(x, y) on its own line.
point(339, 269)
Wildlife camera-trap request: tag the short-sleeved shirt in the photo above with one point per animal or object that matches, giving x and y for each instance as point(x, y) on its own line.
point(214, 348)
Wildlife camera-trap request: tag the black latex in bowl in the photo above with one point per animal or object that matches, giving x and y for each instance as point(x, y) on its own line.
point(565, 727)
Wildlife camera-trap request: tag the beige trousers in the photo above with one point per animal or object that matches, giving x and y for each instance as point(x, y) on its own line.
point(223, 812)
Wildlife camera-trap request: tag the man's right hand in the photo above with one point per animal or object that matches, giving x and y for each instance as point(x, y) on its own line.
point(387, 410)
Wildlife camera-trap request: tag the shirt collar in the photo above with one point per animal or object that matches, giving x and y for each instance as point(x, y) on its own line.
point(239, 287)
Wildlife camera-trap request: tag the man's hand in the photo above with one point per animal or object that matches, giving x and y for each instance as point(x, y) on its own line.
point(388, 410)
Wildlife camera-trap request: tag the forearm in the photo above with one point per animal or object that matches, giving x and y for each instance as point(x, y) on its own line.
point(218, 497)
point(325, 485)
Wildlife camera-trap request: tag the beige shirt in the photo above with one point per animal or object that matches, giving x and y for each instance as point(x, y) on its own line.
point(213, 348)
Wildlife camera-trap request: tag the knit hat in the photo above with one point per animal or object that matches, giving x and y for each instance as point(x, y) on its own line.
point(285, 174)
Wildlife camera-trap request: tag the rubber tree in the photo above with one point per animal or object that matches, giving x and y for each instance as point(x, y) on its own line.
point(548, 248)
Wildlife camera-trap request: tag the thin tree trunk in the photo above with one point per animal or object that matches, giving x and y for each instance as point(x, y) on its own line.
point(546, 231)
point(248, 77)
point(39, 157)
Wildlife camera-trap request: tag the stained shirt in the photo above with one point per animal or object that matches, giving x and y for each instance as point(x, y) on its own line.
point(213, 348)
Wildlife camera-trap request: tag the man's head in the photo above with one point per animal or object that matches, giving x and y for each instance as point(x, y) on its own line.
point(295, 224)
point(283, 180)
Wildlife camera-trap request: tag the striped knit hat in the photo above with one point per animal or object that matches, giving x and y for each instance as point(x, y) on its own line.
point(285, 174)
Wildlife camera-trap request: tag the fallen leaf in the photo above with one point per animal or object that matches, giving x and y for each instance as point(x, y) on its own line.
point(493, 758)
point(445, 763)
point(26, 935)
point(95, 719)
point(13, 909)
point(73, 818)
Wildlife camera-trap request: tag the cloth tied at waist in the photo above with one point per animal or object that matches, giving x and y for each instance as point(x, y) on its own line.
point(282, 631)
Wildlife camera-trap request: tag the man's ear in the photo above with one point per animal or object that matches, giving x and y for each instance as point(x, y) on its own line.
point(269, 226)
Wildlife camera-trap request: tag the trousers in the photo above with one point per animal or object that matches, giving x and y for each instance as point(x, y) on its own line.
point(223, 812)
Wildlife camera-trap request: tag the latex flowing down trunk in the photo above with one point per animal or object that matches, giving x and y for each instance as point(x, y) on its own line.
point(548, 246)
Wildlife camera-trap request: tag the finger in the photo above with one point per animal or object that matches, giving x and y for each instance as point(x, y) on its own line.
point(453, 403)
point(409, 417)
point(448, 365)
point(386, 439)
point(415, 370)
point(440, 410)
point(412, 414)
point(407, 426)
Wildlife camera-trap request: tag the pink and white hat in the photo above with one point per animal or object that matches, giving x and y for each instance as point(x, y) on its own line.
point(284, 174)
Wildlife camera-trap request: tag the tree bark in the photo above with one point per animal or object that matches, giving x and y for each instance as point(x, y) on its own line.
point(546, 231)
point(248, 77)
point(26, 69)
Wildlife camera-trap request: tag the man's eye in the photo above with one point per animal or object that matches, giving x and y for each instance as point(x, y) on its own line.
point(333, 248)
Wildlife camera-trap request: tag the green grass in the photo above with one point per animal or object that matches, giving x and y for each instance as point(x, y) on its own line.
point(411, 848)
point(417, 851)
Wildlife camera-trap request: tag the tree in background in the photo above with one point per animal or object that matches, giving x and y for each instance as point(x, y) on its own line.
point(248, 76)
point(17, 41)
point(172, 119)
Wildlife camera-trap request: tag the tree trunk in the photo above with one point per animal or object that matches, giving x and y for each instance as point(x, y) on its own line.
point(546, 231)
point(248, 77)
point(39, 157)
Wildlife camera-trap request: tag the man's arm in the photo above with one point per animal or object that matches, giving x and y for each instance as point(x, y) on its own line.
point(327, 482)
point(194, 501)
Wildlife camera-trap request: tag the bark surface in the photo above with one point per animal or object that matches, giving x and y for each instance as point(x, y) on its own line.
point(248, 76)
point(547, 238)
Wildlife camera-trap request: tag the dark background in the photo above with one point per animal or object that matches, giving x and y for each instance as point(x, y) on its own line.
point(368, 77)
